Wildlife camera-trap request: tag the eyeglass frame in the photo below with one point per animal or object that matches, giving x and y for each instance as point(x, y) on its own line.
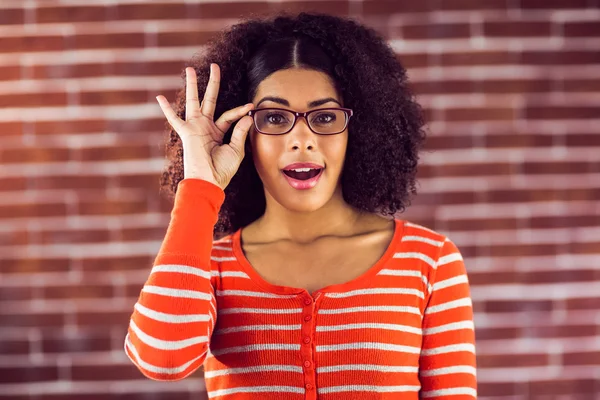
point(348, 111)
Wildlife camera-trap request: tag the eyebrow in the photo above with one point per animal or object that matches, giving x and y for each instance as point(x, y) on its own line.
point(314, 103)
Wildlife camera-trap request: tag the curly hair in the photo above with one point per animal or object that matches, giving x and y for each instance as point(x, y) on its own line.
point(384, 135)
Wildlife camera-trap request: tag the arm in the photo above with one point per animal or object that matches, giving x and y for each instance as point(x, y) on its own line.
point(447, 363)
point(174, 317)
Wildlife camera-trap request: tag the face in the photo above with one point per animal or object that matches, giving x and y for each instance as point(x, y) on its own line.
point(296, 89)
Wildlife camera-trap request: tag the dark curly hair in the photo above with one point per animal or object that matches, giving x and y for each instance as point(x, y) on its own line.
point(384, 135)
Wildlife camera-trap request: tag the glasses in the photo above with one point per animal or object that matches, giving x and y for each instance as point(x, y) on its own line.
point(279, 121)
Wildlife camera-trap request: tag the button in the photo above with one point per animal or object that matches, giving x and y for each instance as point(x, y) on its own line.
point(307, 364)
point(307, 317)
point(308, 302)
point(306, 339)
point(309, 386)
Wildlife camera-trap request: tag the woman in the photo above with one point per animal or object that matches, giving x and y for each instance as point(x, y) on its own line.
point(284, 271)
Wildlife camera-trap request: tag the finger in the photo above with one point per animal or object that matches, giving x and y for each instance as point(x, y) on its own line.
point(212, 90)
point(238, 137)
point(171, 115)
point(192, 108)
point(229, 117)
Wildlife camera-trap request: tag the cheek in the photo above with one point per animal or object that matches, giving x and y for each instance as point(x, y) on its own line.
point(334, 151)
point(265, 153)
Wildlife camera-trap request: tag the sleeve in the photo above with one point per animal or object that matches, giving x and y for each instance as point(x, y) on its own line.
point(447, 365)
point(174, 317)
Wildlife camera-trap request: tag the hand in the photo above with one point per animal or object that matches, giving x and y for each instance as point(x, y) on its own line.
point(204, 155)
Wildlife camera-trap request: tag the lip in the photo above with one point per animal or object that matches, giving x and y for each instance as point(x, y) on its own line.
point(303, 185)
point(303, 165)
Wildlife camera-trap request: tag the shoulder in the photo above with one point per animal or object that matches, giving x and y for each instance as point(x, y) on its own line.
point(417, 233)
point(423, 239)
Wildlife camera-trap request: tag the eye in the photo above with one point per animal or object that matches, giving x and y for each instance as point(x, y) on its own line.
point(275, 118)
point(324, 118)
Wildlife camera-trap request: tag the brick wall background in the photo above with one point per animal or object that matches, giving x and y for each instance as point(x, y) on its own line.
point(511, 174)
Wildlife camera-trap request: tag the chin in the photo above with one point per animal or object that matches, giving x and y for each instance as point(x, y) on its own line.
point(302, 201)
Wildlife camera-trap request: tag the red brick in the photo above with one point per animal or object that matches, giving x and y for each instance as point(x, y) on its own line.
point(329, 7)
point(104, 319)
point(28, 155)
point(387, 7)
point(85, 342)
point(34, 43)
point(434, 31)
point(142, 68)
point(581, 358)
point(12, 16)
point(33, 210)
point(565, 112)
point(105, 41)
point(151, 182)
point(567, 57)
point(28, 100)
point(585, 303)
point(562, 386)
point(581, 28)
point(9, 72)
point(80, 291)
point(117, 264)
point(581, 140)
point(449, 142)
point(30, 320)
point(479, 114)
point(516, 141)
point(70, 14)
point(142, 11)
point(30, 373)
point(503, 306)
point(483, 224)
point(151, 233)
point(184, 38)
point(109, 98)
point(112, 207)
point(94, 372)
point(510, 360)
point(13, 184)
point(121, 152)
point(14, 238)
point(509, 388)
point(12, 293)
point(69, 182)
point(553, 4)
point(497, 333)
point(14, 347)
point(72, 236)
point(459, 5)
point(482, 57)
point(67, 127)
point(517, 28)
point(564, 221)
point(33, 265)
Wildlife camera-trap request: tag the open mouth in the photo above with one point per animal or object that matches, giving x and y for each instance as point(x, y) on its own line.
point(303, 175)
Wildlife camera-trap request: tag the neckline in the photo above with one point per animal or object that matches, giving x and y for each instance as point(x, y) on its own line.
point(338, 287)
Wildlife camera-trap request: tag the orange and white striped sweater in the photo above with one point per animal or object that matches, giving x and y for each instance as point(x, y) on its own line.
point(402, 330)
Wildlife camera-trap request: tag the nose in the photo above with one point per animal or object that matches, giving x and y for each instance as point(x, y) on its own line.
point(301, 136)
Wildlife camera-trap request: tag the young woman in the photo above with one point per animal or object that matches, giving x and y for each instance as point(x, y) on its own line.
point(284, 272)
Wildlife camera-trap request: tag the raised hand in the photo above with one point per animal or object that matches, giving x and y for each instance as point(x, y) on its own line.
point(204, 155)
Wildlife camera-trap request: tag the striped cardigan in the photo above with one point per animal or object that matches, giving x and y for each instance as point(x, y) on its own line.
point(402, 330)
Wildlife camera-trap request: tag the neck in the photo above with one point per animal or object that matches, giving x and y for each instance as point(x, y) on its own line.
point(335, 218)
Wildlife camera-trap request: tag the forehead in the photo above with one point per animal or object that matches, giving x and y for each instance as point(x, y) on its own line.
point(298, 86)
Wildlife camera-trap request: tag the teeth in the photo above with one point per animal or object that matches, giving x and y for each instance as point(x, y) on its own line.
point(302, 169)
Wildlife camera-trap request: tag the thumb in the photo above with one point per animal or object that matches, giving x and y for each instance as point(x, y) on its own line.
point(239, 134)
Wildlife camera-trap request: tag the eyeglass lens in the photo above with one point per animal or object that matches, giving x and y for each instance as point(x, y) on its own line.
point(276, 122)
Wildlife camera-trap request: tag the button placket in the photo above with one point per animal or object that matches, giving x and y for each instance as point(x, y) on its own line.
point(306, 347)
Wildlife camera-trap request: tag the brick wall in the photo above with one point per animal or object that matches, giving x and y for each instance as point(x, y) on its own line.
point(511, 174)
